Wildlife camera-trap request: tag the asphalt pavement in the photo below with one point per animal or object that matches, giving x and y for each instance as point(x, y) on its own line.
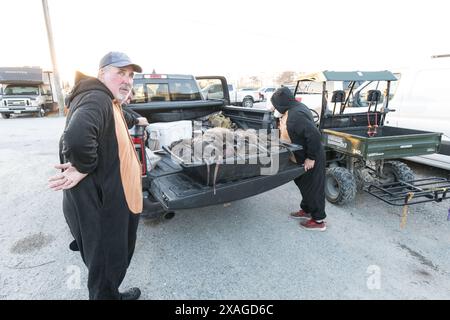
point(248, 249)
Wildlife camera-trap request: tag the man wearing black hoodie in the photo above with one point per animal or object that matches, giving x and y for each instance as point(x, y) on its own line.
point(302, 130)
point(101, 177)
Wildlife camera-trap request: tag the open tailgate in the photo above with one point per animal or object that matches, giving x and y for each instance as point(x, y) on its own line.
point(179, 191)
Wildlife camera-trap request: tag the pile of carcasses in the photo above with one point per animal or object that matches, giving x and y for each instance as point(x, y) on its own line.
point(217, 144)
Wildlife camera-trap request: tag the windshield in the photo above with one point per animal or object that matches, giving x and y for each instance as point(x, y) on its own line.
point(166, 90)
point(364, 89)
point(21, 90)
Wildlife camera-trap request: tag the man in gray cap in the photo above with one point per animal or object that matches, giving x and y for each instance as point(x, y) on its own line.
point(101, 177)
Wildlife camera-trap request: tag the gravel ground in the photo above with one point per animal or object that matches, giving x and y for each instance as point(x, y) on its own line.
point(249, 249)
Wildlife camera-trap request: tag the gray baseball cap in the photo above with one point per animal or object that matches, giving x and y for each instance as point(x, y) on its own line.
point(118, 59)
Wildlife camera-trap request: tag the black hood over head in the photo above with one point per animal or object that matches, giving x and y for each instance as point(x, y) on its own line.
point(283, 99)
point(84, 83)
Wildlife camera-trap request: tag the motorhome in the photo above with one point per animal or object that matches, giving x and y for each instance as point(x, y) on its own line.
point(25, 90)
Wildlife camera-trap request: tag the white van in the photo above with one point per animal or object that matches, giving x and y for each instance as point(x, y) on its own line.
point(421, 100)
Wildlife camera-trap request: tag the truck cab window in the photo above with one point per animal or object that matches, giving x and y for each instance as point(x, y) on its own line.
point(139, 93)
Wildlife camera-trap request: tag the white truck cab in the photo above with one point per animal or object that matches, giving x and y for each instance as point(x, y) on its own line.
point(244, 97)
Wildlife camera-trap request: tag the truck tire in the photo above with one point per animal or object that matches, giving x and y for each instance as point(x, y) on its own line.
point(41, 112)
point(247, 102)
point(340, 185)
point(6, 115)
point(395, 171)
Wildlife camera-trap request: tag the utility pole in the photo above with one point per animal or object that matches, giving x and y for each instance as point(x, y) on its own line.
point(48, 23)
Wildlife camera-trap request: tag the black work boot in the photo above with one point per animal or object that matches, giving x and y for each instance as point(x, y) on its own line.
point(74, 246)
point(130, 294)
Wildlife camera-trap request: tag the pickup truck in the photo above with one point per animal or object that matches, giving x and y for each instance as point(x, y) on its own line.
point(168, 187)
point(244, 97)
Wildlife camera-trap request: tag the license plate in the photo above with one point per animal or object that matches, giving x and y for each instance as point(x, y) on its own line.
point(17, 112)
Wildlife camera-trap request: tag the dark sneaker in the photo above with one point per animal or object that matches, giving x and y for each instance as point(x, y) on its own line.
point(130, 294)
point(312, 225)
point(300, 215)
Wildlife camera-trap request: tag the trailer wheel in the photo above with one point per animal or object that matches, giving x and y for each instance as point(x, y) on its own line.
point(247, 102)
point(6, 115)
point(394, 171)
point(340, 185)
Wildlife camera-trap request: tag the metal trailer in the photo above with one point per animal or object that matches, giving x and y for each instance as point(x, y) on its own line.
point(361, 150)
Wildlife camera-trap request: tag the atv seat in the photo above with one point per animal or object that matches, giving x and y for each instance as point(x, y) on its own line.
point(373, 97)
point(338, 97)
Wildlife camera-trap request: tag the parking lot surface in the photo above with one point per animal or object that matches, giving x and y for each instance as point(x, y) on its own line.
point(248, 249)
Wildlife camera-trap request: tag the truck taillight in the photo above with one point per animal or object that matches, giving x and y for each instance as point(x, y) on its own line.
point(155, 76)
point(140, 149)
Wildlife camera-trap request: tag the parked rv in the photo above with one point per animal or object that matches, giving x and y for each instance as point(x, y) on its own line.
point(25, 90)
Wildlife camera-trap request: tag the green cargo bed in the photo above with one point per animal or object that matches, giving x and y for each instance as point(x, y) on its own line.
point(387, 143)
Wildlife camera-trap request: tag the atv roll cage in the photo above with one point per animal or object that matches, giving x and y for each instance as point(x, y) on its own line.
point(358, 144)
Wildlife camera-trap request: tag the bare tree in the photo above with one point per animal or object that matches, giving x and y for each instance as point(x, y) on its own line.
point(286, 77)
point(256, 82)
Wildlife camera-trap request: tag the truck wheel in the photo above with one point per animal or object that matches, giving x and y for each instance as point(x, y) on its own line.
point(394, 171)
point(247, 102)
point(41, 112)
point(6, 115)
point(169, 215)
point(340, 185)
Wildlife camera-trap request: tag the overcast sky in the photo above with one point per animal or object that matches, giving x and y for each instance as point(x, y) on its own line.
point(232, 38)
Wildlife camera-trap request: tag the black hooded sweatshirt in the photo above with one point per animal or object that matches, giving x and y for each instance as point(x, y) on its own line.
point(100, 209)
point(302, 130)
point(90, 140)
point(300, 125)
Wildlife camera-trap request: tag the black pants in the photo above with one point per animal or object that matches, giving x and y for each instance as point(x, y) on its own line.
point(106, 238)
point(312, 188)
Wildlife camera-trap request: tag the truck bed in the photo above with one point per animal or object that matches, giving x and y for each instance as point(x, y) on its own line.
point(388, 143)
point(174, 188)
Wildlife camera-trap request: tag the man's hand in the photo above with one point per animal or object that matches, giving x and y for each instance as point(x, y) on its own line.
point(69, 178)
point(309, 164)
point(142, 121)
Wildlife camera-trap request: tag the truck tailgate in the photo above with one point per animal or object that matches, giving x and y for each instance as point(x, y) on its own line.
point(178, 191)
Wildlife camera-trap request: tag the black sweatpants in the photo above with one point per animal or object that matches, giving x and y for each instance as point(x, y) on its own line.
point(105, 235)
point(312, 188)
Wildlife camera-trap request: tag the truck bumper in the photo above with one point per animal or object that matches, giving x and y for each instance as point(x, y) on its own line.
point(18, 110)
